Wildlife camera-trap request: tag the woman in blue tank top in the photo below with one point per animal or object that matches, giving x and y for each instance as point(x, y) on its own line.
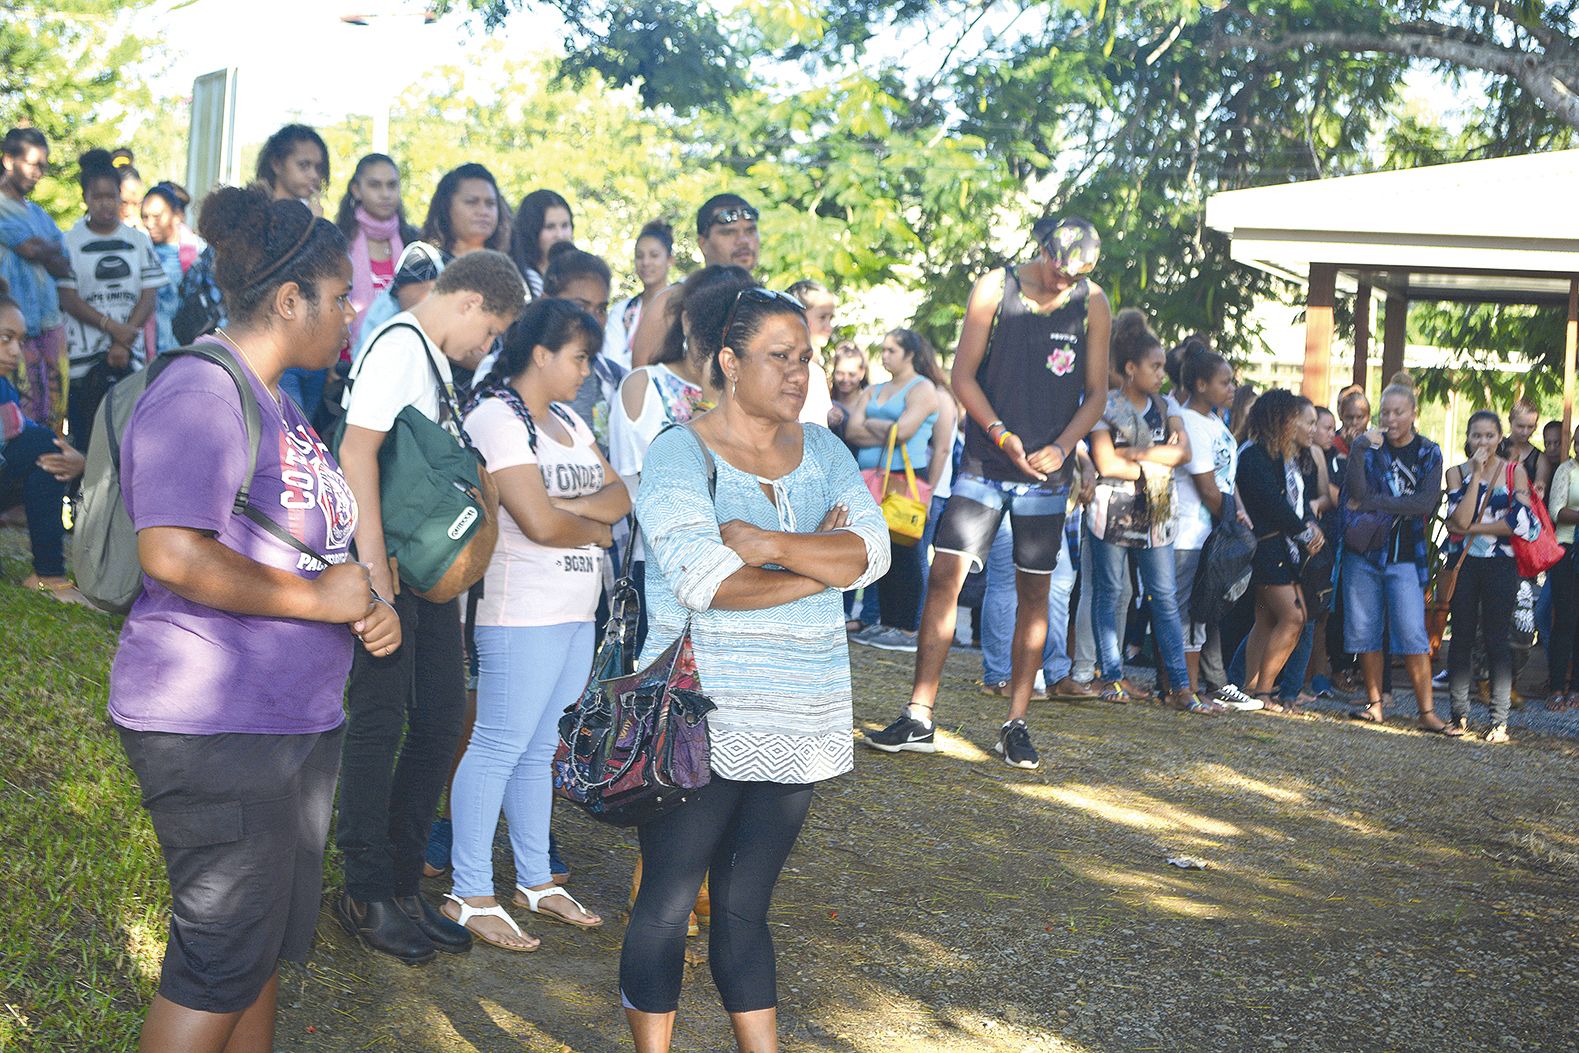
point(909, 403)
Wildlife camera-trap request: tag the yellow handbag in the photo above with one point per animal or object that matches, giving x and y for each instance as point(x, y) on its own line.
point(906, 515)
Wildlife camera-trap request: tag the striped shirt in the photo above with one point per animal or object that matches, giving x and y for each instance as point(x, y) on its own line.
point(779, 676)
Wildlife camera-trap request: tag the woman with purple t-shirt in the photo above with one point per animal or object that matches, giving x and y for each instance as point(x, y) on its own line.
point(227, 684)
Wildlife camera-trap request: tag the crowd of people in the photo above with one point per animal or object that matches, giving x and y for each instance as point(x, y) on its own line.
point(1089, 494)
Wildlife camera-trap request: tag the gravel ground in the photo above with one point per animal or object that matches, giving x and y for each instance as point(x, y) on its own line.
point(1366, 889)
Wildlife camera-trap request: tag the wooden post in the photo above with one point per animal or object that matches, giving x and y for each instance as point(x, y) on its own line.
point(1395, 333)
point(1362, 336)
point(1317, 382)
point(1570, 354)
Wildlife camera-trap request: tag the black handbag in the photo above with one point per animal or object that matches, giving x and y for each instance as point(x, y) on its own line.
point(199, 312)
point(635, 744)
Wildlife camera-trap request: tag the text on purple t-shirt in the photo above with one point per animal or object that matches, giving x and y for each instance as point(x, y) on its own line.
point(191, 669)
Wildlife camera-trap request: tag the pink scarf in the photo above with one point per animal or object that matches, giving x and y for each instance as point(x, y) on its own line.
point(369, 229)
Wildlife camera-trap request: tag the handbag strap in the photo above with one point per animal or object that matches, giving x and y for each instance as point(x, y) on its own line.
point(910, 472)
point(1480, 500)
point(708, 464)
point(888, 454)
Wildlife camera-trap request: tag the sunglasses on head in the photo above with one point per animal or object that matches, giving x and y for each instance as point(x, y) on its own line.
point(732, 215)
point(755, 294)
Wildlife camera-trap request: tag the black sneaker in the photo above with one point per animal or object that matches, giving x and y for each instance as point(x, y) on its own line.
point(906, 733)
point(1014, 746)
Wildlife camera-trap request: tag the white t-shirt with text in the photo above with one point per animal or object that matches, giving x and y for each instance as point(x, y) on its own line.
point(528, 583)
point(110, 272)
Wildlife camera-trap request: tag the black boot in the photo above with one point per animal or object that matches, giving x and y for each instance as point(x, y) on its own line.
point(382, 926)
point(444, 933)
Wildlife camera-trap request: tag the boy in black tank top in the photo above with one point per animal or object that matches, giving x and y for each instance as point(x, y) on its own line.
point(1031, 370)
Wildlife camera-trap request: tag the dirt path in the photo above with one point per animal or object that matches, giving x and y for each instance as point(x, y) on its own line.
point(1368, 888)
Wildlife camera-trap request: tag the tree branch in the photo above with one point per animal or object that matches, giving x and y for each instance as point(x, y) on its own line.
point(1549, 38)
point(1531, 70)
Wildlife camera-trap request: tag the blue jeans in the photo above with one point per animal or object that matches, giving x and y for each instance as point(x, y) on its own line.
point(998, 612)
point(527, 675)
point(41, 494)
point(1157, 574)
point(306, 387)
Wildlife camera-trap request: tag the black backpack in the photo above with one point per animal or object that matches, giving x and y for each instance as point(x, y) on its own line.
point(1224, 571)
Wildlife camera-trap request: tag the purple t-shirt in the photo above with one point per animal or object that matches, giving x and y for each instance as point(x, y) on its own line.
point(190, 669)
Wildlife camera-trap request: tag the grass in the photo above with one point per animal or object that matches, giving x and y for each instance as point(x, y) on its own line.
point(83, 929)
point(933, 905)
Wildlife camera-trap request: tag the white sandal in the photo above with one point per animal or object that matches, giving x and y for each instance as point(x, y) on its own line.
point(468, 912)
point(534, 898)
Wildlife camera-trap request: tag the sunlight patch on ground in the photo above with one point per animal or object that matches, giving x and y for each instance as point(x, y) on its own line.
point(952, 745)
point(1223, 775)
point(145, 945)
point(1189, 908)
point(1139, 811)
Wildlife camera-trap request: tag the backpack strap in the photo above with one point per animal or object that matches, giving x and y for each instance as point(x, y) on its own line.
point(221, 357)
point(243, 506)
point(446, 389)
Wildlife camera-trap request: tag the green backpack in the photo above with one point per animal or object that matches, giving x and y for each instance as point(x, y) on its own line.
point(440, 508)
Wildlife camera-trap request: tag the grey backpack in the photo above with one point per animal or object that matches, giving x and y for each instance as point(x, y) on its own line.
point(104, 544)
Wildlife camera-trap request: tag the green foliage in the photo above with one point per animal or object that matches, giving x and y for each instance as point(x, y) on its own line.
point(64, 69)
point(1482, 335)
point(909, 144)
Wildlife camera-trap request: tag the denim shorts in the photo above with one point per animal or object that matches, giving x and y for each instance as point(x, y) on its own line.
point(976, 508)
point(1374, 597)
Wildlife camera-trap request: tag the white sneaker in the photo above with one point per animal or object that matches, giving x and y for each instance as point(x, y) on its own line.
point(1235, 698)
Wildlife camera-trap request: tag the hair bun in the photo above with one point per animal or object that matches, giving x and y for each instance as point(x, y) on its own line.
point(1403, 379)
point(1129, 323)
point(250, 232)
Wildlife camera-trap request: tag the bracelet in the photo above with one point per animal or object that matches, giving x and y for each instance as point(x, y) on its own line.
point(996, 424)
point(1003, 435)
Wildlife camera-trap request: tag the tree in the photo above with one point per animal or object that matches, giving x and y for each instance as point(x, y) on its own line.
point(1525, 41)
point(66, 69)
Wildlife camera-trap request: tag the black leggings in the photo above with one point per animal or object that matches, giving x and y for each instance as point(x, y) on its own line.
point(738, 834)
point(899, 591)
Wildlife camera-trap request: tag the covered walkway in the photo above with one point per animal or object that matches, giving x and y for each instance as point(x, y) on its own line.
point(1503, 230)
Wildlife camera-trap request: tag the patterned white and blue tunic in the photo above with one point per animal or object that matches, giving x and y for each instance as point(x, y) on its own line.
point(780, 676)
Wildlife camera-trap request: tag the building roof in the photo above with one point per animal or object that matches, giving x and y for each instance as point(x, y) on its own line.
point(1500, 230)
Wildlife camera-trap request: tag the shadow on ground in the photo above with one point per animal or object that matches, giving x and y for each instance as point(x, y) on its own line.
point(1367, 888)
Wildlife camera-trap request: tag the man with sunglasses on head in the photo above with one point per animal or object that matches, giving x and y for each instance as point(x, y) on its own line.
point(726, 232)
point(1031, 371)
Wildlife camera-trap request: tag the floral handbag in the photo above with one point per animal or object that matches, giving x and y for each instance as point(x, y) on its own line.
point(635, 744)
